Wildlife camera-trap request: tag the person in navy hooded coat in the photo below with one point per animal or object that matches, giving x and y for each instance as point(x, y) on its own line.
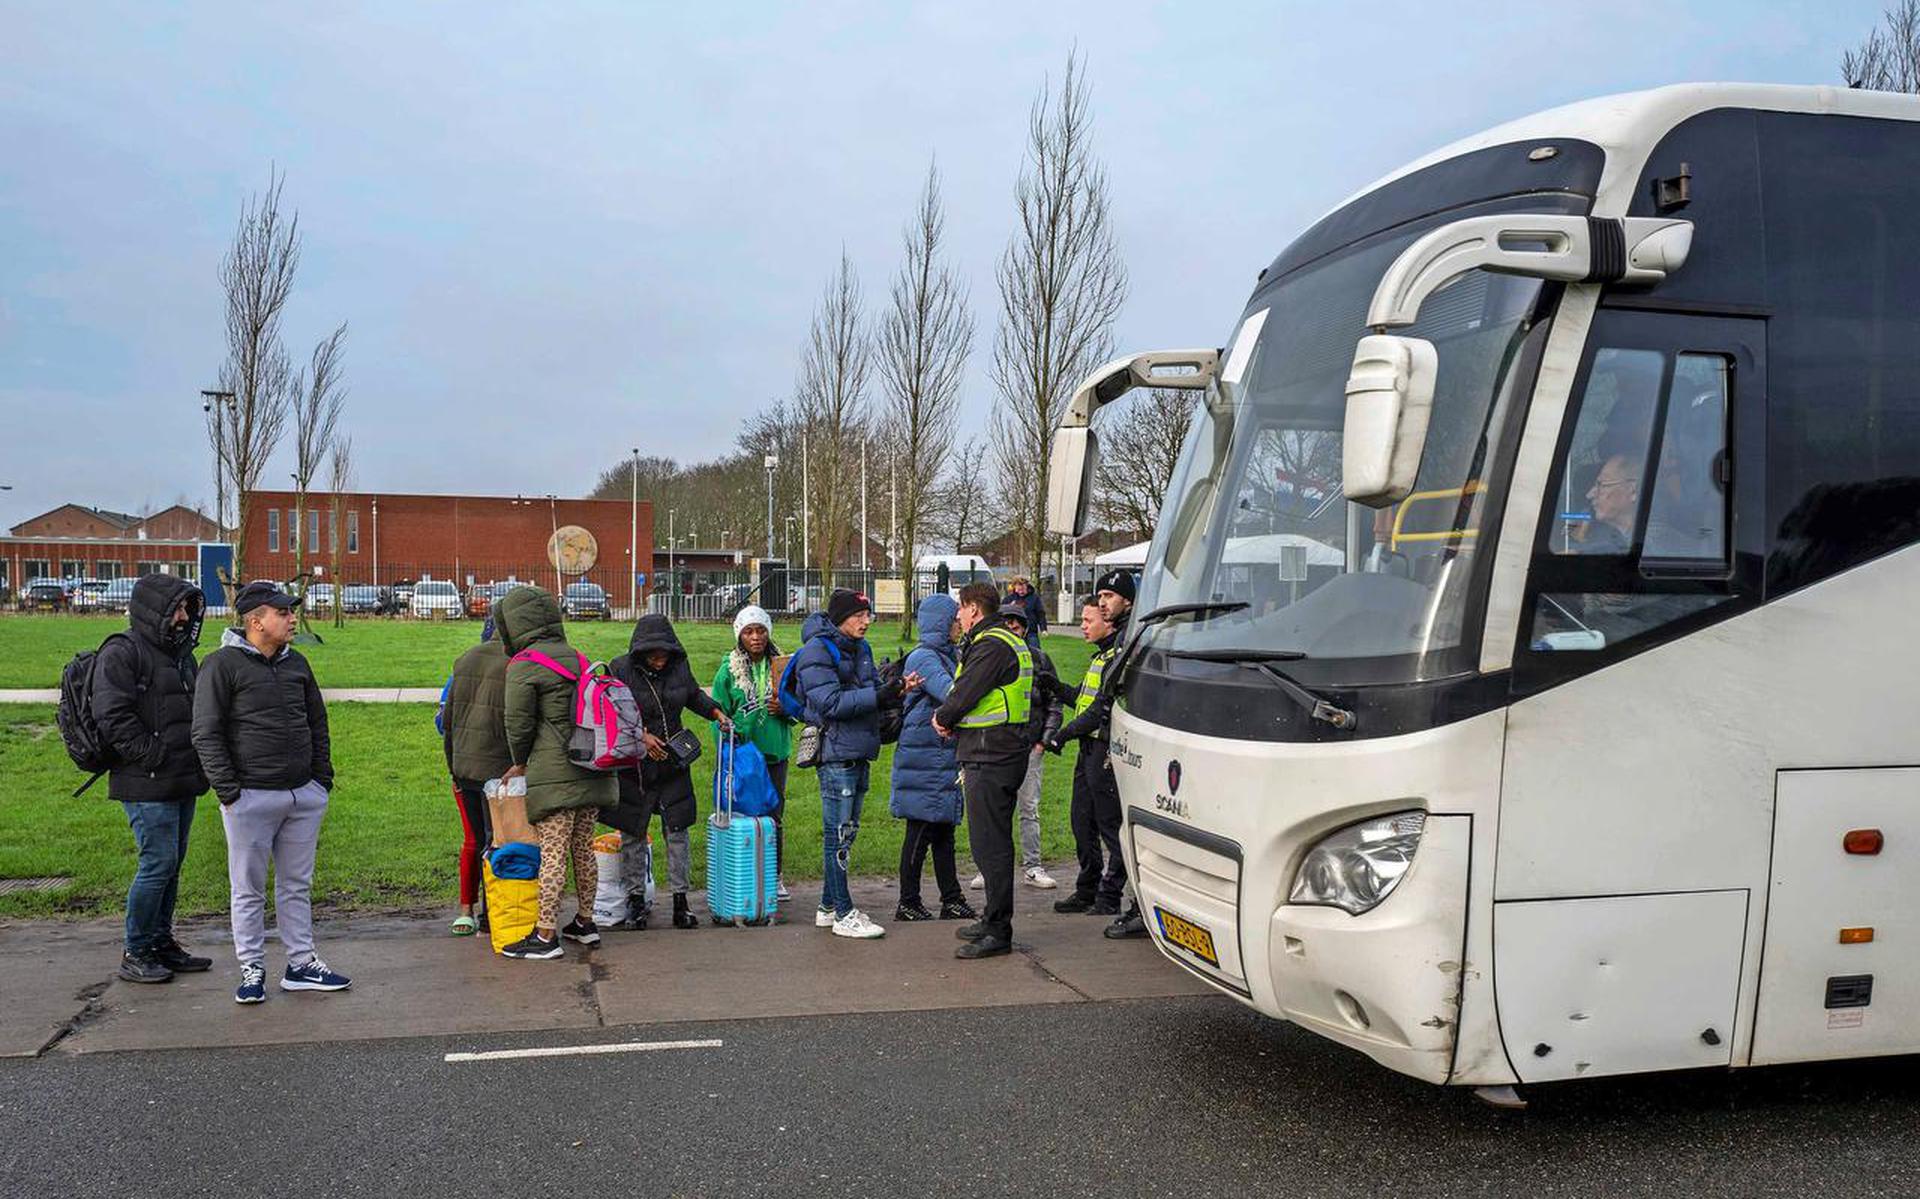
point(926, 776)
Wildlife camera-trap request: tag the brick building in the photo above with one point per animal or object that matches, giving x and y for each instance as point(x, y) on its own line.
point(468, 539)
point(74, 541)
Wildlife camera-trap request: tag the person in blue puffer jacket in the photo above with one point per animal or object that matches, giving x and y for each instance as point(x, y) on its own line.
point(835, 674)
point(926, 776)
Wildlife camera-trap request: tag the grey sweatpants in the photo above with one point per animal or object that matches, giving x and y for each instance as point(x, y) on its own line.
point(281, 829)
point(635, 861)
point(1030, 809)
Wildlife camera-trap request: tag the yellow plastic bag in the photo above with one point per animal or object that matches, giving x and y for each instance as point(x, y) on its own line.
point(513, 906)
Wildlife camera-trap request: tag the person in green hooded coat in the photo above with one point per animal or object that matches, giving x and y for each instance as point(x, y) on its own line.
point(562, 798)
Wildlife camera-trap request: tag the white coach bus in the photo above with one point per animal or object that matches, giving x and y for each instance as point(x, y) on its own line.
point(1594, 746)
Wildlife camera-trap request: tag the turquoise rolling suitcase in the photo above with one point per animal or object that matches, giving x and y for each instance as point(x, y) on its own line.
point(743, 865)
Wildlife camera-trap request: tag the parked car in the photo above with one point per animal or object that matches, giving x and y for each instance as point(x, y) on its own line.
point(585, 601)
point(118, 596)
point(46, 595)
point(402, 593)
point(436, 597)
point(483, 596)
point(83, 595)
point(358, 599)
point(318, 597)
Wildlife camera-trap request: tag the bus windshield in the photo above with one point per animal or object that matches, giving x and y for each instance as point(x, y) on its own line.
point(1254, 512)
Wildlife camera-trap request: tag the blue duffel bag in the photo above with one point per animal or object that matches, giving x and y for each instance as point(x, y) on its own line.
point(743, 861)
point(743, 768)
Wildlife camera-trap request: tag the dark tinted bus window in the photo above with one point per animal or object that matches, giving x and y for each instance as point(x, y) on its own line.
point(1842, 199)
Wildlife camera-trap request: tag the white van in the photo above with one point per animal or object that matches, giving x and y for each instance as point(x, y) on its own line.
point(961, 570)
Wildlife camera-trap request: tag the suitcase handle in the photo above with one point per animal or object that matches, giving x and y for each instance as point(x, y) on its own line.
point(723, 762)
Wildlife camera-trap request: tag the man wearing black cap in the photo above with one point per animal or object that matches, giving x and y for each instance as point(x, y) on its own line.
point(1114, 591)
point(261, 732)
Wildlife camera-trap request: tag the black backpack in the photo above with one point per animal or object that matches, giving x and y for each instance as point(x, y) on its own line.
point(85, 743)
point(892, 718)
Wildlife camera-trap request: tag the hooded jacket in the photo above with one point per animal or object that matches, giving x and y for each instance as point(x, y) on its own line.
point(258, 721)
point(539, 708)
point(662, 696)
point(143, 695)
point(925, 773)
point(844, 697)
point(476, 714)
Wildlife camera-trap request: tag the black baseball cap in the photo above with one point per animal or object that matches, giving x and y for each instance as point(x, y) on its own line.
point(262, 591)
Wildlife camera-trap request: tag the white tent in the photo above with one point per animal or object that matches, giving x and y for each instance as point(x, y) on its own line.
point(1126, 555)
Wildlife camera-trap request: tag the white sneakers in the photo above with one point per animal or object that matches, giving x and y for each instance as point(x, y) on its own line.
point(781, 893)
point(1037, 876)
point(855, 924)
point(823, 918)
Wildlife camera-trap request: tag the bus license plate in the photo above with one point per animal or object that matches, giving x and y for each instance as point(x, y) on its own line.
point(1188, 936)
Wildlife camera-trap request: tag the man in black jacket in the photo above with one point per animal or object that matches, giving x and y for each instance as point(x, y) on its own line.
point(1096, 798)
point(143, 706)
point(992, 715)
point(261, 730)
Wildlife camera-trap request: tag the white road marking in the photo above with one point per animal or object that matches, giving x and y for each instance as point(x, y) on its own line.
point(495, 1055)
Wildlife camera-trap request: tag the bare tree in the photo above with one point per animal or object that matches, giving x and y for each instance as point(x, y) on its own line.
point(1140, 446)
point(1061, 285)
point(831, 398)
point(317, 397)
point(257, 276)
point(1889, 60)
point(921, 353)
point(962, 498)
point(339, 483)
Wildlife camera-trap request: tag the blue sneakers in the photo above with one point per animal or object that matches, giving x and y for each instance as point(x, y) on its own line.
point(253, 984)
point(314, 976)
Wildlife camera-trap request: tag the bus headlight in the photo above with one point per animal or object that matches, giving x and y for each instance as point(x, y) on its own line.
point(1357, 867)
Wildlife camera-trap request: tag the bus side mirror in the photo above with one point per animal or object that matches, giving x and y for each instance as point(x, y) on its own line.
point(1389, 398)
point(1076, 452)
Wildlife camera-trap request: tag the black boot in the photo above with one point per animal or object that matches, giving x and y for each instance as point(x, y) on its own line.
point(682, 918)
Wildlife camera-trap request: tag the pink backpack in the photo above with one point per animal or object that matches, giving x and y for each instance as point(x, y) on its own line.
point(606, 721)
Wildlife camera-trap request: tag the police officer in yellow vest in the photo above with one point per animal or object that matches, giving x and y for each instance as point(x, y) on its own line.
point(991, 714)
point(1095, 811)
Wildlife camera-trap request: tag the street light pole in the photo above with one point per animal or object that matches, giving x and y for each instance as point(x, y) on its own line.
point(806, 509)
point(208, 397)
point(772, 460)
point(673, 580)
point(553, 525)
point(633, 542)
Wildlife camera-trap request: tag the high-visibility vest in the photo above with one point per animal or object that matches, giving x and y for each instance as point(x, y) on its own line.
point(1011, 704)
point(1090, 686)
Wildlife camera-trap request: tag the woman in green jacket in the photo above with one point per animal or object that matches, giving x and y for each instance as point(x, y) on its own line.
point(748, 693)
point(562, 798)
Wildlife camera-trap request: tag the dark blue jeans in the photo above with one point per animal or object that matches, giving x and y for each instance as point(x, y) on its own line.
point(160, 832)
point(843, 787)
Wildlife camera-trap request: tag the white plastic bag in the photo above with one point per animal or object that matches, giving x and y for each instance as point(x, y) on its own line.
point(610, 895)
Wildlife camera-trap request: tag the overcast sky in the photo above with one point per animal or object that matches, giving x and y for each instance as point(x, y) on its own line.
point(560, 230)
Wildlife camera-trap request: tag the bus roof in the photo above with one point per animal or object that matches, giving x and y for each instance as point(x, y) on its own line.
point(1627, 126)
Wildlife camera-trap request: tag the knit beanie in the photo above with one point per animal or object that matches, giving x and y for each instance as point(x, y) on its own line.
point(844, 603)
point(1118, 581)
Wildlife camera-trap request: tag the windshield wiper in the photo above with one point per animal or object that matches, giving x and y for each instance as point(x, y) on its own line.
point(1205, 609)
point(1215, 608)
point(1261, 661)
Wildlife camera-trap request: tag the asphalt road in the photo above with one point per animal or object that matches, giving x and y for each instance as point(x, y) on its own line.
point(1146, 1097)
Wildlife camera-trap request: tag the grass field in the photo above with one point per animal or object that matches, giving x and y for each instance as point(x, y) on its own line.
point(397, 653)
point(391, 832)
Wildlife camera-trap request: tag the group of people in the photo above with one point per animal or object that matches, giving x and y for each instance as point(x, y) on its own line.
point(978, 705)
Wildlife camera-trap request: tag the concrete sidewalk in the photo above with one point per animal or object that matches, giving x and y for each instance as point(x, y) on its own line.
point(60, 992)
